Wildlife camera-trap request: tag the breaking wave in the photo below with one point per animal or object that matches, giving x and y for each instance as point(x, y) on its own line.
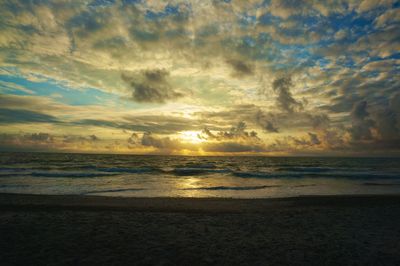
point(231, 188)
point(70, 174)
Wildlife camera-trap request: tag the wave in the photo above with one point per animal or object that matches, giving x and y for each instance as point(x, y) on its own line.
point(11, 169)
point(362, 175)
point(189, 171)
point(305, 169)
point(13, 175)
point(129, 170)
point(309, 185)
point(114, 190)
point(230, 188)
point(380, 184)
point(186, 171)
point(180, 171)
point(254, 174)
point(13, 186)
point(70, 174)
point(197, 165)
point(332, 174)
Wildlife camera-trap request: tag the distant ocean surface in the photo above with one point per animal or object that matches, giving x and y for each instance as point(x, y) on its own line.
point(180, 176)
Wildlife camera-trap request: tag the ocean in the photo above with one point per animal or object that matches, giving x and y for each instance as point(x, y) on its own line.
point(186, 176)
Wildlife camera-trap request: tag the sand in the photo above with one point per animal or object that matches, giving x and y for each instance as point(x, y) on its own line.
point(86, 230)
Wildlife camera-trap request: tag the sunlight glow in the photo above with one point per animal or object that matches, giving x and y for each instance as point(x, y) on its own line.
point(191, 136)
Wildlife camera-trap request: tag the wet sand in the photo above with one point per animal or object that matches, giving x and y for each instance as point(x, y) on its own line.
point(86, 230)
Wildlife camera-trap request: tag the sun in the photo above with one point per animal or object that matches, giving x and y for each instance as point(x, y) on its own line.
point(191, 136)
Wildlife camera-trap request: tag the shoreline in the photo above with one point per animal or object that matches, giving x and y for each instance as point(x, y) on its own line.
point(11, 201)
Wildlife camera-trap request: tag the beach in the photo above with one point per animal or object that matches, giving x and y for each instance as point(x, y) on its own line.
point(310, 230)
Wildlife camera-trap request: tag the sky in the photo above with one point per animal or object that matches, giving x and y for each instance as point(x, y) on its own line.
point(201, 77)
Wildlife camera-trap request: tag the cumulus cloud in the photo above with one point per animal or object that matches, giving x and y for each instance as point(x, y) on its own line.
point(47, 142)
point(361, 122)
point(270, 127)
point(388, 119)
point(314, 140)
point(94, 138)
point(79, 138)
point(380, 126)
point(235, 140)
point(395, 102)
point(26, 141)
point(286, 8)
point(134, 139)
point(319, 121)
point(311, 140)
point(237, 132)
point(266, 122)
point(285, 98)
point(39, 137)
point(389, 17)
point(161, 143)
point(367, 5)
point(152, 86)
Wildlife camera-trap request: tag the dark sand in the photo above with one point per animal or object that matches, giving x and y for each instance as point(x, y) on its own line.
point(86, 230)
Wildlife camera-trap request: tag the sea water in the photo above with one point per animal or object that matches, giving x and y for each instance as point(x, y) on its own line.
point(186, 176)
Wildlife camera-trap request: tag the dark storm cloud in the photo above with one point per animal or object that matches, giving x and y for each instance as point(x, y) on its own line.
point(379, 125)
point(265, 121)
point(270, 127)
point(395, 102)
point(387, 119)
point(152, 86)
point(343, 103)
point(319, 121)
point(272, 121)
point(333, 138)
point(8, 116)
point(240, 68)
point(285, 98)
point(386, 123)
point(314, 140)
point(361, 122)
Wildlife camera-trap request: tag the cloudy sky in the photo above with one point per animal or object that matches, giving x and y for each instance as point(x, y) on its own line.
point(201, 77)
